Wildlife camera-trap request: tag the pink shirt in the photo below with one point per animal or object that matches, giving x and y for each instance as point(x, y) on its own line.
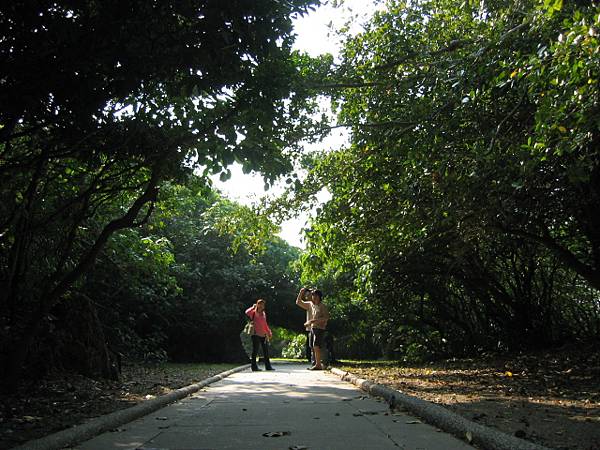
point(260, 322)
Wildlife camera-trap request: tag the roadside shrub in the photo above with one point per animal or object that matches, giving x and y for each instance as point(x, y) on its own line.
point(295, 348)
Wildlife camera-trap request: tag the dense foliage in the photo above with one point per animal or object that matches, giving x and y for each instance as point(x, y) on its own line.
point(464, 213)
point(101, 103)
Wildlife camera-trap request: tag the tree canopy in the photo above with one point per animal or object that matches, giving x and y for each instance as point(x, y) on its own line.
point(463, 211)
point(102, 102)
point(465, 207)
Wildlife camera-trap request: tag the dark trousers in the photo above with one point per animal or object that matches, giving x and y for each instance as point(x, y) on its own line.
point(262, 341)
point(309, 350)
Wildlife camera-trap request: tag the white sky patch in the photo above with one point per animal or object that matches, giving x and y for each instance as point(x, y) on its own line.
point(315, 31)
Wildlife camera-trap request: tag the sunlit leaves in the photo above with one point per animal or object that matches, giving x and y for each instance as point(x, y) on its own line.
point(552, 6)
point(247, 227)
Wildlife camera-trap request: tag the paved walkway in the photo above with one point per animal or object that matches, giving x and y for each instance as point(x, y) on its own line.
point(290, 408)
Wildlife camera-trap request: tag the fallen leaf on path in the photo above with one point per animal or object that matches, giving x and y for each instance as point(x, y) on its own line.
point(412, 422)
point(31, 418)
point(298, 447)
point(276, 433)
point(469, 436)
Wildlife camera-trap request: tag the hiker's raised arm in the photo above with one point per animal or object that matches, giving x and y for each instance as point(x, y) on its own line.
point(301, 303)
point(251, 311)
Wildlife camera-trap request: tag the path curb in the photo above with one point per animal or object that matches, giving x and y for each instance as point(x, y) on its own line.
point(88, 430)
point(442, 418)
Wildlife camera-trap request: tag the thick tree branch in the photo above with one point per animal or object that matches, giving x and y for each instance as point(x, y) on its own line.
point(452, 46)
point(347, 85)
point(589, 273)
point(126, 221)
point(485, 49)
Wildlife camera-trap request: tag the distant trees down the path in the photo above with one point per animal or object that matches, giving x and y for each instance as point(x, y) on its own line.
point(101, 103)
point(465, 213)
point(175, 290)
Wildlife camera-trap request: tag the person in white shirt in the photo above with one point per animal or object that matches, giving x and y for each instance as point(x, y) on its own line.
point(318, 323)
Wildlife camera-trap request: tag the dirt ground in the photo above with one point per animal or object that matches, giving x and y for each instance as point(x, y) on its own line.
point(63, 400)
point(550, 398)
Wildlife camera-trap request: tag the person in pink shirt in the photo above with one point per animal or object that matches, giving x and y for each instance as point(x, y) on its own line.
point(262, 333)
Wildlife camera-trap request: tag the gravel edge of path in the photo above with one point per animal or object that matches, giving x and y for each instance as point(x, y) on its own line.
point(484, 437)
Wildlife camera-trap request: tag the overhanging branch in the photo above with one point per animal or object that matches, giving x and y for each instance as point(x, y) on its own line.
point(589, 273)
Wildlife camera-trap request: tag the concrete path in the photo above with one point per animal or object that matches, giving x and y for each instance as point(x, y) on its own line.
point(290, 408)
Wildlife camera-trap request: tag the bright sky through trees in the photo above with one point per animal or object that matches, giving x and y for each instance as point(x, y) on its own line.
point(314, 37)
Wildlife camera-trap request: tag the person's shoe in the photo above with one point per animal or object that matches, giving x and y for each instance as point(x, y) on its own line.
point(315, 368)
point(256, 369)
point(269, 368)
